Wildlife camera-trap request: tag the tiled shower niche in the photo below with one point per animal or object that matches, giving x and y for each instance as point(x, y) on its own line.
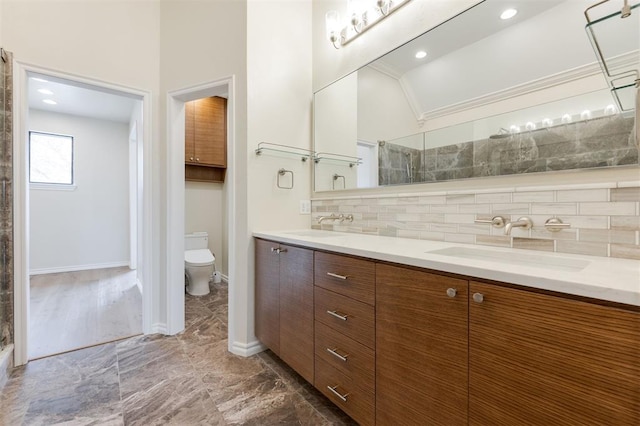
point(600, 142)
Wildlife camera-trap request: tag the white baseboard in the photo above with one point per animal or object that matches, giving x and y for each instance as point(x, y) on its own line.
point(246, 349)
point(56, 270)
point(159, 328)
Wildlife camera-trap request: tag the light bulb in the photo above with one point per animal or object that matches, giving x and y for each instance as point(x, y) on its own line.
point(547, 122)
point(530, 126)
point(514, 129)
point(332, 25)
point(610, 110)
point(585, 115)
point(566, 119)
point(421, 54)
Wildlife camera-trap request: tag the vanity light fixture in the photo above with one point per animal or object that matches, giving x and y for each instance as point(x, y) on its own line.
point(421, 54)
point(45, 91)
point(362, 15)
point(610, 110)
point(508, 14)
point(49, 101)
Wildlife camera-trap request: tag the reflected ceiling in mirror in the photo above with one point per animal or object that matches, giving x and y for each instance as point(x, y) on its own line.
point(482, 79)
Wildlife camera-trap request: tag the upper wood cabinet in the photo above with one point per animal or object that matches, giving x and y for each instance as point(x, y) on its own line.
point(538, 359)
point(205, 151)
point(284, 304)
point(421, 348)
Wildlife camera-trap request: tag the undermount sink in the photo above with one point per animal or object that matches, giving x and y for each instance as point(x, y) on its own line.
point(312, 233)
point(542, 261)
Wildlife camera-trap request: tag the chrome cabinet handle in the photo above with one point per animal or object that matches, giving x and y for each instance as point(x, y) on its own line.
point(335, 353)
point(342, 277)
point(281, 250)
point(478, 297)
point(337, 315)
point(336, 393)
point(451, 292)
point(274, 250)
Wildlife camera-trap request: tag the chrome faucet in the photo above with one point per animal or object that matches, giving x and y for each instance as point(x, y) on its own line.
point(341, 217)
point(523, 222)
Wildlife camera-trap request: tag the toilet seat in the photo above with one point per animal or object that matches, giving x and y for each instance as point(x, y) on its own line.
point(200, 257)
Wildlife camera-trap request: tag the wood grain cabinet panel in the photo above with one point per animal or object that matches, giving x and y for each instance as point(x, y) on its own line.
point(354, 278)
point(351, 358)
point(267, 297)
point(359, 322)
point(356, 401)
point(284, 303)
point(421, 348)
point(206, 139)
point(544, 360)
point(296, 310)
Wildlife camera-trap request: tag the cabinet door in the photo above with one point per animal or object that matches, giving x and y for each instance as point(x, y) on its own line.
point(296, 309)
point(211, 131)
point(421, 348)
point(189, 131)
point(267, 297)
point(543, 360)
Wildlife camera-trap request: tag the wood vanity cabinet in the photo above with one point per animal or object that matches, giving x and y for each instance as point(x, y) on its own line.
point(543, 359)
point(421, 348)
point(345, 333)
point(284, 304)
point(395, 345)
point(206, 139)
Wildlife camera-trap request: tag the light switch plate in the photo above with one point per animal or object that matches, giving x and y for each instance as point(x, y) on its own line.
point(305, 206)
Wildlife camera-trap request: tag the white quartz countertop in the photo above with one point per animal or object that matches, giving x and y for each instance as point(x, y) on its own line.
point(611, 279)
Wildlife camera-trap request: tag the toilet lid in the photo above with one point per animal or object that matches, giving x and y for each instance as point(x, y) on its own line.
point(200, 257)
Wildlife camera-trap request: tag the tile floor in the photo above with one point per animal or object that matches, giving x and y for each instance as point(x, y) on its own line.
point(187, 379)
point(71, 310)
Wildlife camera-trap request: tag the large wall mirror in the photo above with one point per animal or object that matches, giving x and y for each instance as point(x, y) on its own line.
point(491, 97)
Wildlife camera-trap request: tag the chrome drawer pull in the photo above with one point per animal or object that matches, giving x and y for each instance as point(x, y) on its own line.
point(342, 277)
point(336, 393)
point(335, 353)
point(337, 315)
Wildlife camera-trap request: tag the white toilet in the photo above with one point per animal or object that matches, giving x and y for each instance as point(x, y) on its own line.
point(198, 263)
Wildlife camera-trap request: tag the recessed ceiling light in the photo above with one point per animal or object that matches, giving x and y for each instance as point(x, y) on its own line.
point(42, 80)
point(421, 54)
point(508, 14)
point(45, 91)
point(49, 101)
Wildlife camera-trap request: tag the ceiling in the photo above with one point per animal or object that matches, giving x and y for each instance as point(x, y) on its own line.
point(79, 99)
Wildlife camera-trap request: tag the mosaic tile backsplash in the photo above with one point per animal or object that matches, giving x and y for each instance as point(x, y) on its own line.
point(600, 142)
point(604, 217)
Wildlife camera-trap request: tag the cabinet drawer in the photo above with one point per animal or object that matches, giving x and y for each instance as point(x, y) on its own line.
point(349, 317)
point(357, 402)
point(351, 277)
point(351, 358)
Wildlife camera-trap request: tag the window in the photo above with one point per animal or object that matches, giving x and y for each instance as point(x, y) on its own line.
point(50, 158)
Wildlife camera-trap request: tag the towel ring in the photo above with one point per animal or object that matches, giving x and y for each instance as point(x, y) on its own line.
point(281, 173)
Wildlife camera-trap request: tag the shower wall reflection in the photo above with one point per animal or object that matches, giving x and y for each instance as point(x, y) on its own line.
point(600, 142)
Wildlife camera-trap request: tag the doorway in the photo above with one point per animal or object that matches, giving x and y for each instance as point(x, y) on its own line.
point(85, 232)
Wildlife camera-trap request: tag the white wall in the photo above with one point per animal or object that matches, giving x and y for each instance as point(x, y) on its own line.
point(279, 64)
point(89, 226)
point(204, 211)
point(383, 110)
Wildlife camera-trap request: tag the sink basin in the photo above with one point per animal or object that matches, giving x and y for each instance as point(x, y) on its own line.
point(312, 233)
point(542, 261)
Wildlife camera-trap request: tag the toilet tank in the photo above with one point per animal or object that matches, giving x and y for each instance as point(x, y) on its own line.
point(196, 240)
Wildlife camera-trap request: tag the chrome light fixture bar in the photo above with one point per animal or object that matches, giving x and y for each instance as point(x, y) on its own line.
point(363, 14)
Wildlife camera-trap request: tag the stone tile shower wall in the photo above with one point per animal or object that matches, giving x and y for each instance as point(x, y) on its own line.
point(604, 217)
point(6, 203)
point(600, 142)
